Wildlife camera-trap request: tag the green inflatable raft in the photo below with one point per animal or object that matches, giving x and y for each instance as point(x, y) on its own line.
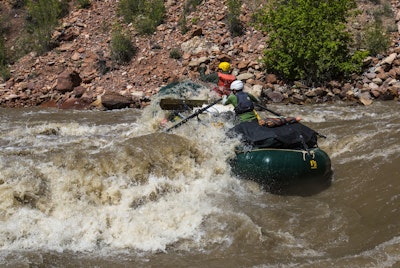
point(285, 171)
point(285, 159)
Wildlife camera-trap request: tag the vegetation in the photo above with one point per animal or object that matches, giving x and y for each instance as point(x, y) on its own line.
point(84, 3)
point(183, 24)
point(235, 25)
point(146, 15)
point(190, 5)
point(122, 48)
point(376, 40)
point(18, 3)
point(42, 17)
point(4, 72)
point(4, 60)
point(375, 37)
point(308, 39)
point(175, 54)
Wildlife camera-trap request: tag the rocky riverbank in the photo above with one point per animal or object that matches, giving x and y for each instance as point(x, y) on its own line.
point(79, 73)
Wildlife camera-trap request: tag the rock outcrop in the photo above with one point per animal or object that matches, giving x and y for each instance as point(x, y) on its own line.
point(79, 72)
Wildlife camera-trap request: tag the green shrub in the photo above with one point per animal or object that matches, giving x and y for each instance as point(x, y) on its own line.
point(175, 54)
point(122, 48)
point(84, 3)
point(376, 2)
point(18, 3)
point(145, 25)
point(307, 39)
point(146, 15)
point(42, 17)
point(235, 25)
point(195, 20)
point(5, 25)
point(4, 71)
point(376, 40)
point(355, 64)
point(190, 5)
point(182, 23)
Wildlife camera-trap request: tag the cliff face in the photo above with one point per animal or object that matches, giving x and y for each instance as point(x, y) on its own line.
point(79, 72)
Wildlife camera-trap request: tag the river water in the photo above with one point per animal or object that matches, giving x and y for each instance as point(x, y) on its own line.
point(109, 189)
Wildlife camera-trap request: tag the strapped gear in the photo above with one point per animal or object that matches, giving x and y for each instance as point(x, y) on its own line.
point(245, 104)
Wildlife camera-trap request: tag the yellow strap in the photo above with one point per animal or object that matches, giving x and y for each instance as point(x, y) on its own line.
point(261, 122)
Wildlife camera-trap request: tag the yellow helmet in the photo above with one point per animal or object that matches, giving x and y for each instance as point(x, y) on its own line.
point(224, 66)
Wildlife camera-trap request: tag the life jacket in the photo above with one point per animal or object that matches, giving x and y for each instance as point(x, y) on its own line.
point(225, 80)
point(245, 104)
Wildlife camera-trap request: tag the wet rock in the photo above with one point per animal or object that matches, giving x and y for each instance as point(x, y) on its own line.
point(113, 100)
point(365, 98)
point(75, 103)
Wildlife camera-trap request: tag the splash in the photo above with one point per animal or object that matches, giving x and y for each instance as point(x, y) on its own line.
point(84, 187)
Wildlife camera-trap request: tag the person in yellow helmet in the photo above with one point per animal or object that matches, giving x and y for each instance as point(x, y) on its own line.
point(223, 78)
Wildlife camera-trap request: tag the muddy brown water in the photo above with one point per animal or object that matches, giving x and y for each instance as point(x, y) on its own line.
point(108, 189)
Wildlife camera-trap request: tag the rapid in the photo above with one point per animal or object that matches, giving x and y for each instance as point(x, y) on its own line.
point(110, 189)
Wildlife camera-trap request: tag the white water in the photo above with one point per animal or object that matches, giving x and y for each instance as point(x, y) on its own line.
point(77, 187)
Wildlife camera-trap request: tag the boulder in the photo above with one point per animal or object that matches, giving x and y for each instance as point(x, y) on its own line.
point(67, 80)
point(275, 96)
point(113, 100)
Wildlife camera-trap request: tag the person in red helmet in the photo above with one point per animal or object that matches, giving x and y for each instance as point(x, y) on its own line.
point(223, 78)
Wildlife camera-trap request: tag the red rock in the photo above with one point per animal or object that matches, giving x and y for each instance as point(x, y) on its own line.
point(67, 80)
point(113, 100)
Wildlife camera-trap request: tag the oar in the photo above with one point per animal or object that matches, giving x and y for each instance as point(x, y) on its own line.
point(199, 111)
point(265, 108)
point(180, 104)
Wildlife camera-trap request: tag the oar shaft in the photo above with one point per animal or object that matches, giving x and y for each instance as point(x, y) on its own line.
point(265, 108)
point(199, 111)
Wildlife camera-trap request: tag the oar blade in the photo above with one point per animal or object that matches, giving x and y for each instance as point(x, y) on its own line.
point(180, 104)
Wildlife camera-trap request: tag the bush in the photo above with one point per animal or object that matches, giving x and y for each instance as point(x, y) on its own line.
point(5, 25)
point(42, 17)
point(190, 5)
point(182, 24)
point(307, 39)
point(355, 64)
point(122, 49)
point(175, 54)
point(4, 72)
point(84, 3)
point(235, 25)
point(17, 3)
point(146, 15)
point(375, 39)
